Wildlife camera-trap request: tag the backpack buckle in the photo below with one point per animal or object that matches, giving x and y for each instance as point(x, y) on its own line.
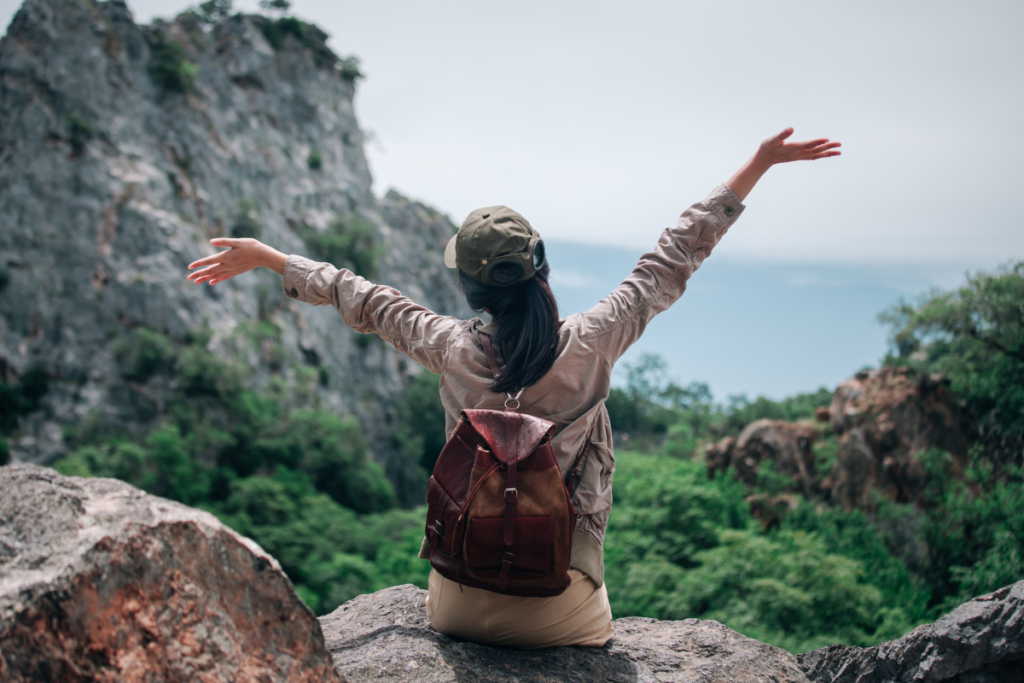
point(515, 491)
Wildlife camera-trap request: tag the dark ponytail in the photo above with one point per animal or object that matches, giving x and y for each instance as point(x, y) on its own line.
point(525, 326)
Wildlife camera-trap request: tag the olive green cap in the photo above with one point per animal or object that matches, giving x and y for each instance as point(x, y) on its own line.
point(492, 235)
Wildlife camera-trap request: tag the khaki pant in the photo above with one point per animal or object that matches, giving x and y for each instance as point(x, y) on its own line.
point(579, 616)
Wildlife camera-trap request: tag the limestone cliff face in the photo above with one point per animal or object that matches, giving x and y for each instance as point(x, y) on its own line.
point(121, 155)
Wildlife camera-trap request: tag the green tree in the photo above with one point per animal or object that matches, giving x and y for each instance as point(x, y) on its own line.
point(421, 427)
point(975, 336)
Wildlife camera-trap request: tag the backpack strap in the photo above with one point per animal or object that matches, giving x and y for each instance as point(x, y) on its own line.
point(485, 341)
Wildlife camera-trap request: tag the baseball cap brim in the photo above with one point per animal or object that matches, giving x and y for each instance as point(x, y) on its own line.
point(449, 253)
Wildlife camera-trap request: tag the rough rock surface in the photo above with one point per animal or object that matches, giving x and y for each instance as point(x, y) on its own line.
point(981, 641)
point(386, 637)
point(787, 445)
point(887, 419)
point(102, 582)
point(110, 184)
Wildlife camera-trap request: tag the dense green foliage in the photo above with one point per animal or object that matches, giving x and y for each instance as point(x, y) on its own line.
point(169, 67)
point(294, 477)
point(975, 336)
point(347, 242)
point(297, 479)
point(421, 430)
point(311, 37)
point(653, 412)
point(680, 545)
point(21, 398)
point(248, 222)
point(212, 11)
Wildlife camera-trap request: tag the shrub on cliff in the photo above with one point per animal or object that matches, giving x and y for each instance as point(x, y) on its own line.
point(169, 67)
point(247, 222)
point(21, 398)
point(347, 243)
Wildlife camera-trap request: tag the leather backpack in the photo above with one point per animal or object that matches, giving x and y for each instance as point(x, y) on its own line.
point(499, 515)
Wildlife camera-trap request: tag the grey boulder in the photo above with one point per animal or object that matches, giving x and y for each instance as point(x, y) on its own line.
point(386, 637)
point(102, 582)
point(981, 641)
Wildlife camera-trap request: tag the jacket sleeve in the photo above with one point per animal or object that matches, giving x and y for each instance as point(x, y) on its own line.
point(368, 308)
point(660, 277)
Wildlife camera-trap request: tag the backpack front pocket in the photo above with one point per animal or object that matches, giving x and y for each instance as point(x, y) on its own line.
point(533, 549)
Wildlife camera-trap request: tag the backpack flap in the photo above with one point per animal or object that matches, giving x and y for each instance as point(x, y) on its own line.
point(511, 436)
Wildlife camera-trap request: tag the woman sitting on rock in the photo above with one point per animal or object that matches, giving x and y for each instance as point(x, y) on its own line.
point(562, 367)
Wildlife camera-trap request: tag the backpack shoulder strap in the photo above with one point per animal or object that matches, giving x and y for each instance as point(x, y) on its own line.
point(485, 341)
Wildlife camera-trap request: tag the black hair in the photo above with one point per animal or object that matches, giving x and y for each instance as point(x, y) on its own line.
point(525, 325)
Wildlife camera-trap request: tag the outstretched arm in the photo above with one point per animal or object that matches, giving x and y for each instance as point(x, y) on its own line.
point(660, 276)
point(775, 150)
point(364, 306)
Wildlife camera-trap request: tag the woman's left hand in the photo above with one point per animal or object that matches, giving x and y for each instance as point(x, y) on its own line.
point(775, 150)
point(243, 255)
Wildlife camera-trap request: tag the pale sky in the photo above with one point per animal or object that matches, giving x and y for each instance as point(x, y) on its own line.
point(601, 121)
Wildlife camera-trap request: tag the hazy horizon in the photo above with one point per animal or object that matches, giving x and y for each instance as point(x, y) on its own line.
point(601, 122)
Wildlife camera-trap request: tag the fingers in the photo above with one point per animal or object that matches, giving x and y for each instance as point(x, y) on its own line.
point(207, 261)
point(825, 155)
point(212, 276)
point(205, 272)
point(821, 147)
point(779, 137)
point(219, 257)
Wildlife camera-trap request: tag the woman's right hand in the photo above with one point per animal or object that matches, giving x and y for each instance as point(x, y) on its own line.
point(243, 255)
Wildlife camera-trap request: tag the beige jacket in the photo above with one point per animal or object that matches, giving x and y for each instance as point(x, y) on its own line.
point(573, 392)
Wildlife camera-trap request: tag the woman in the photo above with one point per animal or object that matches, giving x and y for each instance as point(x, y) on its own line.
point(562, 367)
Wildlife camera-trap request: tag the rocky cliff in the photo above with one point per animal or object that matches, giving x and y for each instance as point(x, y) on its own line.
point(884, 423)
point(124, 149)
point(100, 581)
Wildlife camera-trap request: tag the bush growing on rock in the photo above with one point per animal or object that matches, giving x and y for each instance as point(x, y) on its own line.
point(169, 67)
point(80, 130)
point(21, 398)
point(143, 353)
point(247, 220)
point(347, 242)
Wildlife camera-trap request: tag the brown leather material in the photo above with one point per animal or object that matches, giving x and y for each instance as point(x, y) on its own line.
point(511, 496)
point(499, 515)
point(511, 436)
point(534, 548)
point(483, 458)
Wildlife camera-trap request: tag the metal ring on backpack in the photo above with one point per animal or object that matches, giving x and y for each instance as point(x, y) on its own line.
point(511, 398)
